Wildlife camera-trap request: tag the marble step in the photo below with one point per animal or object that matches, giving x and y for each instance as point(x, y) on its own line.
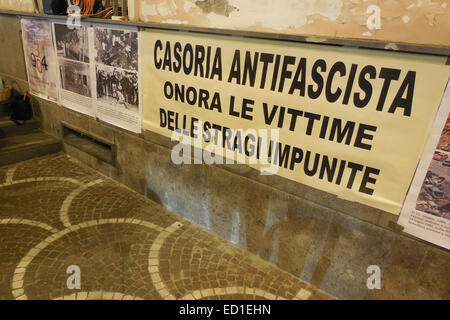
point(27, 146)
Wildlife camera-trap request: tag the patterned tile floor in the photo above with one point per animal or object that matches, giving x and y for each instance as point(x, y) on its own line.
point(56, 212)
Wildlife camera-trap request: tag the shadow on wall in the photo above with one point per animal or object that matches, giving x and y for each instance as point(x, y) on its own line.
point(323, 247)
point(328, 250)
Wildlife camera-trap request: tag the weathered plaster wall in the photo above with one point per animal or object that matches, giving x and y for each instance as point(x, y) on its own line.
point(17, 5)
point(321, 239)
point(402, 21)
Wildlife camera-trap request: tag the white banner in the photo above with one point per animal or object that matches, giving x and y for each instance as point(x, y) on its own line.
point(350, 122)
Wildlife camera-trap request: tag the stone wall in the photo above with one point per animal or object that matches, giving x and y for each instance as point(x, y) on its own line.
point(324, 240)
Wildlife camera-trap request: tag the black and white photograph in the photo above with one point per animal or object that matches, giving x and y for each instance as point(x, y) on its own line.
point(75, 77)
point(116, 48)
point(434, 196)
point(117, 87)
point(72, 43)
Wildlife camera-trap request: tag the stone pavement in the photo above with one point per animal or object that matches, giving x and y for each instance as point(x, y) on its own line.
point(56, 212)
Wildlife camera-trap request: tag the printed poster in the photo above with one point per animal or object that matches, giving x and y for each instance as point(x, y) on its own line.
point(40, 58)
point(116, 61)
point(99, 72)
point(351, 122)
point(426, 213)
point(74, 67)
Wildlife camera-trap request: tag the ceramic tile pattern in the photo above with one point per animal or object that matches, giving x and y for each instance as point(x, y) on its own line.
point(56, 212)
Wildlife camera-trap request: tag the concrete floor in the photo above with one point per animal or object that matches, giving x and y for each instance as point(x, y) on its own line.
point(56, 212)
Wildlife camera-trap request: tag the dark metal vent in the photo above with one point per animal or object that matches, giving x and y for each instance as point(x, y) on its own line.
point(89, 144)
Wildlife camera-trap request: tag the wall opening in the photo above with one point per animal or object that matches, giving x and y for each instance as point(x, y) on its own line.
point(90, 144)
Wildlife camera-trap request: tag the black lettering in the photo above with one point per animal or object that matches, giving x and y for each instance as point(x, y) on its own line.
point(194, 127)
point(191, 95)
point(170, 120)
point(199, 59)
point(268, 119)
point(265, 58)
point(285, 73)
point(318, 79)
point(355, 168)
point(405, 103)
point(367, 179)
point(246, 108)
point(158, 45)
point(162, 118)
point(235, 72)
point(215, 103)
point(295, 114)
point(282, 156)
point(336, 130)
point(179, 92)
point(340, 172)
point(388, 75)
point(337, 67)
point(250, 69)
point(315, 166)
point(365, 86)
point(249, 152)
point(299, 81)
point(351, 79)
point(168, 90)
point(207, 132)
point(311, 118)
point(177, 56)
point(275, 72)
point(297, 156)
point(330, 169)
point(232, 112)
point(188, 54)
point(167, 58)
point(203, 98)
point(361, 134)
point(217, 65)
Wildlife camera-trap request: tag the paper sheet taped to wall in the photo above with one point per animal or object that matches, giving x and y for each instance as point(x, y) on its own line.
point(72, 45)
point(426, 213)
point(40, 58)
point(347, 121)
point(99, 72)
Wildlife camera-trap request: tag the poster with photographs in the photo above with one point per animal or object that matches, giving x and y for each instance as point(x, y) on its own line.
point(40, 58)
point(74, 67)
point(426, 212)
point(117, 92)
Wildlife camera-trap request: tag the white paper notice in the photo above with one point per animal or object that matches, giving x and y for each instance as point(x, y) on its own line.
point(40, 58)
point(426, 212)
point(117, 83)
point(75, 81)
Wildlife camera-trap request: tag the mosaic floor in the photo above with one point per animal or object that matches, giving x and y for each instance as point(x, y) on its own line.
point(55, 212)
